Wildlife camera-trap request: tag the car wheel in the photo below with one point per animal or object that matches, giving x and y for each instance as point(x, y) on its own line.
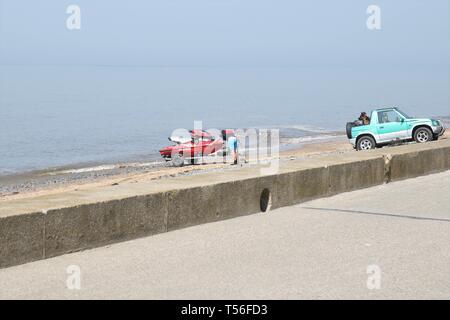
point(366, 143)
point(423, 135)
point(178, 160)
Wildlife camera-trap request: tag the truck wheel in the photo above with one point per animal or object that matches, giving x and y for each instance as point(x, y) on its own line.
point(365, 143)
point(178, 160)
point(423, 135)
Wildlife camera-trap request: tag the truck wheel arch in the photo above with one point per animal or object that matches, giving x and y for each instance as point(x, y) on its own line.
point(362, 135)
point(417, 127)
point(365, 141)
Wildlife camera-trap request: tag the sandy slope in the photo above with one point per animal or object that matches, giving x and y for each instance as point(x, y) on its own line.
point(166, 172)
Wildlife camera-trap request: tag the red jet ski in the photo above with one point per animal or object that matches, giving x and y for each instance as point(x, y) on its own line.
point(193, 145)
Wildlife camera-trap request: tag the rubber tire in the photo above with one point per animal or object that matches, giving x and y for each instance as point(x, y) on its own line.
point(178, 160)
point(371, 140)
point(428, 131)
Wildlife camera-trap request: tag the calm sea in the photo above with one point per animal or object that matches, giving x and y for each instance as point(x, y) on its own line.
point(59, 116)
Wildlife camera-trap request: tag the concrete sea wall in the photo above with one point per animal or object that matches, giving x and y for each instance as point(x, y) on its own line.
point(44, 227)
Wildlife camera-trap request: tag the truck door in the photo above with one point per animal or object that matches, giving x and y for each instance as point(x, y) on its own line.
point(391, 126)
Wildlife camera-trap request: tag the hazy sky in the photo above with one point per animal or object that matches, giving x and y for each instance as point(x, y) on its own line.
point(414, 33)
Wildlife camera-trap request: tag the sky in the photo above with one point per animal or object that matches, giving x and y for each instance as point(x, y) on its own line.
point(279, 33)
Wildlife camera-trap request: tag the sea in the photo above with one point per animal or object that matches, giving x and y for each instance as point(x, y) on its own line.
point(62, 116)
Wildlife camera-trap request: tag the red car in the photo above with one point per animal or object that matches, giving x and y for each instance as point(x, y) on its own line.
point(194, 144)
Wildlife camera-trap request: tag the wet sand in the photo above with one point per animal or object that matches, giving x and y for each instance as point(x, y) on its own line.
point(61, 180)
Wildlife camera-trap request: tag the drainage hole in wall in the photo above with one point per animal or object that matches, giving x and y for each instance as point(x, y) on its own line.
point(265, 200)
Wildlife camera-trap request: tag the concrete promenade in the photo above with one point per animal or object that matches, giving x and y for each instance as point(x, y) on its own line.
point(318, 249)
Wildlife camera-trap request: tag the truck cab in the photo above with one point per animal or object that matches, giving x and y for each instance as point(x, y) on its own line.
point(390, 125)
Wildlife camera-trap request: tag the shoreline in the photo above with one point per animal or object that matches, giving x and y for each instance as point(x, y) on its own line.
point(72, 177)
point(69, 178)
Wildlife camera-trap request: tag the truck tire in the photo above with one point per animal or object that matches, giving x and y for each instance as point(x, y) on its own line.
point(422, 135)
point(365, 143)
point(178, 160)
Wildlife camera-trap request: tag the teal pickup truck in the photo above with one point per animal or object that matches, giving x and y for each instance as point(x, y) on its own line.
point(390, 125)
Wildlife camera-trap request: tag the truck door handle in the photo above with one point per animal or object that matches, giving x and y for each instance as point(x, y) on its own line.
point(382, 127)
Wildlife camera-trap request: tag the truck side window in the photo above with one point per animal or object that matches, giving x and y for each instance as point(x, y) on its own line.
point(388, 116)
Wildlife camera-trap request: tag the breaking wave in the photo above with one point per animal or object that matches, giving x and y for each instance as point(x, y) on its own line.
point(298, 134)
